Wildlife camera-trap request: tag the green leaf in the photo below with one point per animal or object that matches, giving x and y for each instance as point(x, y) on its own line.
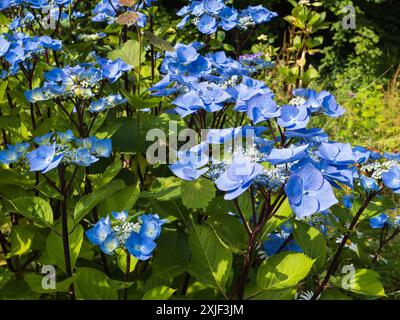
point(124, 199)
point(363, 281)
point(130, 53)
point(92, 284)
point(283, 270)
point(34, 282)
point(230, 231)
point(158, 42)
point(11, 177)
point(245, 205)
point(279, 218)
point(121, 261)
point(88, 202)
point(198, 193)
point(159, 293)
point(55, 248)
point(35, 208)
point(21, 240)
point(311, 241)
point(100, 180)
point(3, 87)
point(211, 261)
point(167, 263)
point(168, 189)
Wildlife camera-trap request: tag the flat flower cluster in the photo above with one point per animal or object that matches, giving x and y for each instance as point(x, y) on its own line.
point(210, 14)
point(82, 81)
point(118, 231)
point(53, 149)
point(205, 82)
point(17, 51)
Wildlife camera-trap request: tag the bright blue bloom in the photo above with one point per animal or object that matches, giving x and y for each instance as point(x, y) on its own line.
point(238, 177)
point(259, 14)
point(66, 136)
point(369, 184)
point(242, 93)
point(378, 222)
point(106, 103)
point(150, 226)
point(36, 95)
point(336, 173)
point(261, 107)
point(207, 24)
point(293, 118)
point(391, 179)
point(122, 215)
point(392, 156)
point(286, 155)
point(309, 192)
point(323, 101)
point(84, 158)
point(13, 153)
point(44, 158)
point(361, 154)
point(101, 147)
point(312, 135)
point(336, 153)
point(140, 247)
point(45, 139)
point(191, 163)
point(113, 69)
point(348, 201)
point(212, 95)
point(4, 45)
point(9, 156)
point(109, 244)
point(229, 18)
point(99, 233)
point(275, 242)
point(188, 103)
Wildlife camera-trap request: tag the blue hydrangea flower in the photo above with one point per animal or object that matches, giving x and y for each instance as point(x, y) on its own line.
point(13, 153)
point(309, 192)
point(188, 103)
point(238, 177)
point(207, 24)
point(84, 158)
point(262, 107)
point(391, 179)
point(66, 136)
point(109, 245)
point(275, 242)
point(44, 158)
point(101, 147)
point(113, 69)
point(140, 247)
point(323, 101)
point(378, 222)
point(348, 201)
point(369, 184)
point(361, 154)
point(44, 139)
point(99, 233)
point(286, 155)
point(191, 163)
point(106, 103)
point(293, 118)
point(336, 153)
point(150, 226)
